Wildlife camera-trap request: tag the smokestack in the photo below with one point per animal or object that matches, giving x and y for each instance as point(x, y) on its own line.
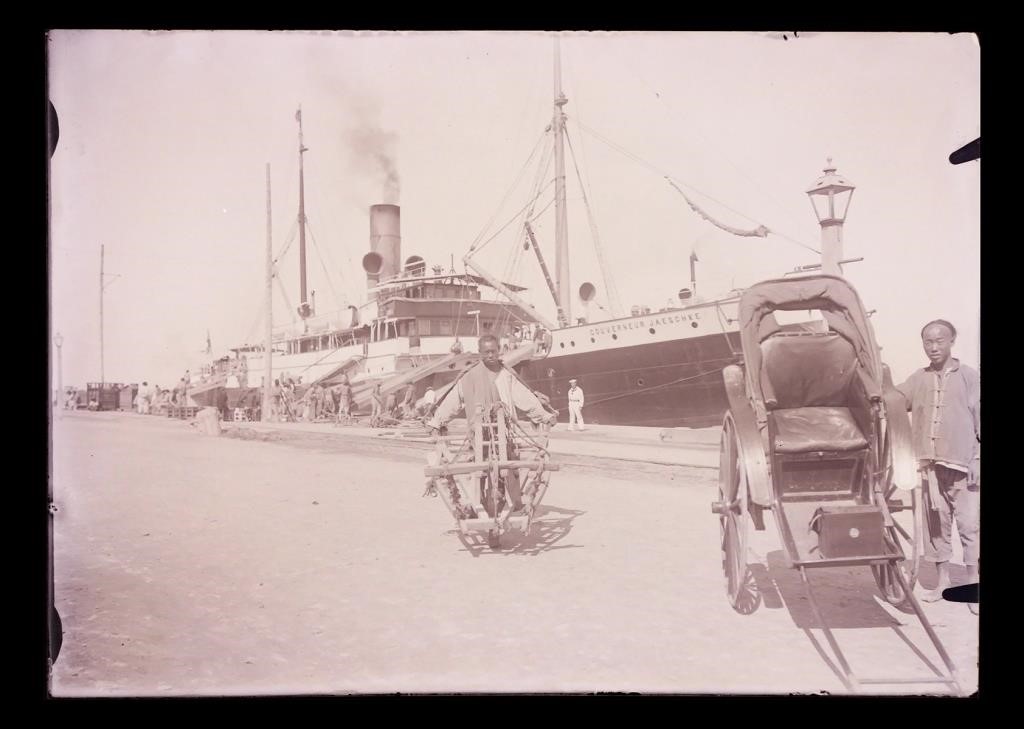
point(385, 256)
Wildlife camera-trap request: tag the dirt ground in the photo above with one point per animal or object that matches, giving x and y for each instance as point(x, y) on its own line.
point(195, 565)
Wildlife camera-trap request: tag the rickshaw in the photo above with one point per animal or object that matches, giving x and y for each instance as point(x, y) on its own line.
point(477, 473)
point(816, 434)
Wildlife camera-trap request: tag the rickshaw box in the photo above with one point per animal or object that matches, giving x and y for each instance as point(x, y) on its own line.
point(848, 531)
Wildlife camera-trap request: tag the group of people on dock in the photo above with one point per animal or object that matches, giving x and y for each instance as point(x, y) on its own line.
point(290, 402)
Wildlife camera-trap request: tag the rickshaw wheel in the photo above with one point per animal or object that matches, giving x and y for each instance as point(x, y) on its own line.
point(911, 544)
point(733, 522)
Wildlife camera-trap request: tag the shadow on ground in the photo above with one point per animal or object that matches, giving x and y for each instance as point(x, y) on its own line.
point(551, 525)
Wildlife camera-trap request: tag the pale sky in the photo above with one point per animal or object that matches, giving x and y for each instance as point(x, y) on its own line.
point(164, 138)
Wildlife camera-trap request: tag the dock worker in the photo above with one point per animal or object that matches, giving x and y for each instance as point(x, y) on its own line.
point(318, 401)
point(306, 404)
point(377, 399)
point(944, 399)
point(406, 407)
point(222, 403)
point(344, 400)
point(429, 400)
point(275, 401)
point(542, 340)
point(330, 402)
point(486, 383)
point(575, 406)
point(142, 399)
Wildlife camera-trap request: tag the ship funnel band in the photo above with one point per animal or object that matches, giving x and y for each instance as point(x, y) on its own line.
point(373, 262)
point(587, 291)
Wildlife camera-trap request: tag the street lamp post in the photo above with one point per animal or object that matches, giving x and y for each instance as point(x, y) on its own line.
point(830, 197)
point(59, 341)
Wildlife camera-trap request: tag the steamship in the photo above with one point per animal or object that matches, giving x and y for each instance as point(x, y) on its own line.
point(419, 327)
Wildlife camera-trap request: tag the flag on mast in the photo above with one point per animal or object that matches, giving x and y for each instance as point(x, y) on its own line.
point(209, 347)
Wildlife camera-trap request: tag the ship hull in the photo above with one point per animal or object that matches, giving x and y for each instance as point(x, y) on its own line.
point(665, 384)
point(660, 370)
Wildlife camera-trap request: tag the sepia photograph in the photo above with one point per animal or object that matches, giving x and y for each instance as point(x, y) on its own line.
point(513, 362)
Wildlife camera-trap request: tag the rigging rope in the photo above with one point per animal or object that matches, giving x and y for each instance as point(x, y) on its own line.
point(543, 210)
point(508, 192)
point(330, 285)
point(288, 241)
point(665, 105)
point(760, 231)
point(609, 283)
point(663, 173)
point(539, 186)
point(657, 387)
point(327, 211)
point(259, 318)
point(287, 301)
point(510, 221)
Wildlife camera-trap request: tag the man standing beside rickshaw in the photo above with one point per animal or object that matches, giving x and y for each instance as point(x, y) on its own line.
point(945, 401)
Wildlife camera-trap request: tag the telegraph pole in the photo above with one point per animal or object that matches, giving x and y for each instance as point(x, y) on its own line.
point(268, 338)
point(101, 315)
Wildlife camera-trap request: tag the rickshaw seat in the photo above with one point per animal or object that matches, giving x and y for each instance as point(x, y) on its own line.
point(806, 382)
point(807, 371)
point(803, 430)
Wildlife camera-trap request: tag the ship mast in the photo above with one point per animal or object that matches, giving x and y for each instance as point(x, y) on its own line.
point(561, 220)
point(304, 308)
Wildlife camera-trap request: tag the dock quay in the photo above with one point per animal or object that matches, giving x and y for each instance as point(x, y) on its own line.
point(695, 448)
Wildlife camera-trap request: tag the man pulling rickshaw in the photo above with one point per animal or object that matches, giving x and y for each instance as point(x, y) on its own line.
point(504, 457)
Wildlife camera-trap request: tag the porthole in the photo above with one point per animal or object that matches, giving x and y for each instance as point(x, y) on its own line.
point(693, 324)
point(615, 336)
point(651, 330)
point(572, 343)
point(592, 340)
point(562, 345)
point(640, 382)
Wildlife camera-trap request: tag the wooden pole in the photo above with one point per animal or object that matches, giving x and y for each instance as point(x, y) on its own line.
point(102, 378)
point(268, 338)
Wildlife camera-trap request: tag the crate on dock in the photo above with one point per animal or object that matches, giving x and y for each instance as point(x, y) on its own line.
point(182, 412)
point(105, 394)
